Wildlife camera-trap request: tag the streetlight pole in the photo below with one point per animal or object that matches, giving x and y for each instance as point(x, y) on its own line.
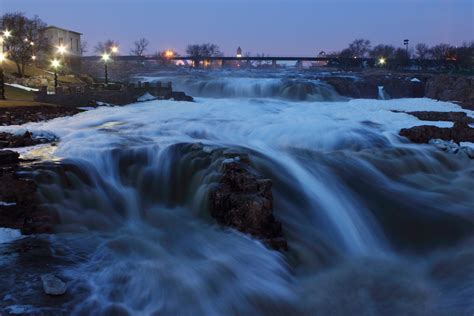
point(2, 79)
point(405, 42)
point(105, 59)
point(55, 64)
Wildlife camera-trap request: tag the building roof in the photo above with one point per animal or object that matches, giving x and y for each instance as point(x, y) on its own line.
point(60, 28)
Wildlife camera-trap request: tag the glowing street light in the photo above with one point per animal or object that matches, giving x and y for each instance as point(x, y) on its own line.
point(33, 57)
point(105, 58)
point(114, 49)
point(3, 56)
point(61, 49)
point(7, 33)
point(382, 61)
point(55, 64)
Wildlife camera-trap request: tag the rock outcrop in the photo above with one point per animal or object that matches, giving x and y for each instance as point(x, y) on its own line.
point(451, 88)
point(366, 86)
point(460, 132)
point(244, 201)
point(8, 140)
point(23, 114)
point(19, 207)
point(440, 116)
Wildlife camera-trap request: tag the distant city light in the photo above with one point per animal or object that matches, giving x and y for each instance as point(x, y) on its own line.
point(105, 57)
point(61, 49)
point(55, 63)
point(239, 55)
point(169, 54)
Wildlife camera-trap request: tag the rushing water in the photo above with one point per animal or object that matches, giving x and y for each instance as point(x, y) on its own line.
point(375, 225)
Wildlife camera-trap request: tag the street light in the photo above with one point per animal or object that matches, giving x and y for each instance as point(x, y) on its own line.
point(382, 61)
point(61, 49)
point(7, 33)
point(3, 56)
point(55, 64)
point(114, 49)
point(105, 59)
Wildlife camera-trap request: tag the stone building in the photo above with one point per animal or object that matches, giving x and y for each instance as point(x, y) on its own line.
point(71, 41)
point(62, 37)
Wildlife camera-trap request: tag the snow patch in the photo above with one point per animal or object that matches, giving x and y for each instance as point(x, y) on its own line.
point(7, 203)
point(415, 80)
point(19, 86)
point(146, 97)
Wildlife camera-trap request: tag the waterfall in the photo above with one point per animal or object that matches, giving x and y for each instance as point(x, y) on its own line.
point(374, 225)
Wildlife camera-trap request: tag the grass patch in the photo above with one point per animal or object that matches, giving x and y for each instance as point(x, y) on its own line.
point(12, 93)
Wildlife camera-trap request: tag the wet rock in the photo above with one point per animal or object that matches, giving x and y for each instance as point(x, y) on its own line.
point(52, 285)
point(8, 157)
point(440, 116)
point(244, 201)
point(460, 132)
point(366, 86)
point(8, 140)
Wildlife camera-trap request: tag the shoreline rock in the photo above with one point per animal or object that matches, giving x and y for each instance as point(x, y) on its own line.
point(19, 207)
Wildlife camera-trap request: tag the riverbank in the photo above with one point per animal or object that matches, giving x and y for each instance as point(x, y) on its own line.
point(19, 207)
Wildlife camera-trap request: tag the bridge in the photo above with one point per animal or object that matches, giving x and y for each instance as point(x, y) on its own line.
point(221, 60)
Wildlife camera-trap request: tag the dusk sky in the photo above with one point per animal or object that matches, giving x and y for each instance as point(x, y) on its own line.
point(276, 27)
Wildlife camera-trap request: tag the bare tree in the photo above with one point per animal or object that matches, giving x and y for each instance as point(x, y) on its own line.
point(382, 51)
point(359, 47)
point(422, 51)
point(203, 50)
point(104, 47)
point(440, 51)
point(83, 48)
point(27, 38)
point(140, 47)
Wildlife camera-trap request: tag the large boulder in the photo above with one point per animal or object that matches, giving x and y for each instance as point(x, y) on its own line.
point(244, 201)
point(52, 285)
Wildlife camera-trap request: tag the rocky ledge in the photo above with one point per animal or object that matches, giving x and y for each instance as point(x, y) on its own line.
point(460, 132)
point(243, 200)
point(8, 140)
point(23, 114)
point(440, 116)
point(452, 88)
point(19, 208)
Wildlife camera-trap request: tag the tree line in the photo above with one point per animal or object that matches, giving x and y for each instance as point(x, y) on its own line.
point(461, 55)
point(29, 40)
